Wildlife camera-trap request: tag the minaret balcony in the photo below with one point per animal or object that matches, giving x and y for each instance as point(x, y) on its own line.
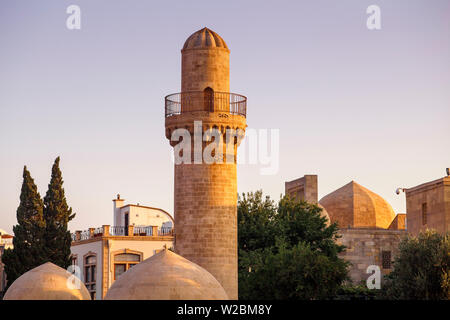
point(207, 100)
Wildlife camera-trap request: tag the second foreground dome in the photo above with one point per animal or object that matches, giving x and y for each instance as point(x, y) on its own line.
point(166, 276)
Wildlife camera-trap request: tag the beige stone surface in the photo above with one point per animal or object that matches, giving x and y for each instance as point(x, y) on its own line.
point(365, 248)
point(46, 282)
point(166, 276)
point(436, 195)
point(205, 62)
point(206, 219)
point(204, 38)
point(353, 206)
point(305, 188)
point(399, 222)
point(205, 195)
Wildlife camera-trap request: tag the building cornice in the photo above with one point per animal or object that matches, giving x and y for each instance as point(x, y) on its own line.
point(123, 238)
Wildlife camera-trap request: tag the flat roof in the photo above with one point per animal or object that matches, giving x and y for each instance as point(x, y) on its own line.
point(445, 180)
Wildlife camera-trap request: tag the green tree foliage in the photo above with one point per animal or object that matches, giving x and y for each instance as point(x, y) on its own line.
point(421, 268)
point(286, 251)
point(29, 245)
point(57, 215)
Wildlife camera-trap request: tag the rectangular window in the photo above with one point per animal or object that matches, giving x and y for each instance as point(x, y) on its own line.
point(119, 269)
point(386, 259)
point(424, 213)
point(90, 268)
point(123, 262)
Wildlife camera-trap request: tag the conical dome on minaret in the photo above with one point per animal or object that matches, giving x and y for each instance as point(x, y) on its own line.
point(204, 38)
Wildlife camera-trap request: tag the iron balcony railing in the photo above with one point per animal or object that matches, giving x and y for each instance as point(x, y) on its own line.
point(122, 231)
point(117, 231)
point(143, 231)
point(165, 231)
point(226, 102)
point(85, 235)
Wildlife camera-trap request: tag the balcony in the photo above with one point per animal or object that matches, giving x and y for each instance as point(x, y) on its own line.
point(121, 231)
point(208, 100)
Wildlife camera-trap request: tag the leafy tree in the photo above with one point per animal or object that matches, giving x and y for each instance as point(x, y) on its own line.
point(287, 251)
point(421, 268)
point(57, 215)
point(29, 245)
point(255, 221)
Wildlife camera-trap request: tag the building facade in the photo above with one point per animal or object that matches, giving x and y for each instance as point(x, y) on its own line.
point(101, 255)
point(6, 242)
point(428, 206)
point(368, 226)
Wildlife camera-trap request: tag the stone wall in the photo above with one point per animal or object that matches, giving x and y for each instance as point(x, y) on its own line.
point(206, 219)
point(304, 188)
point(202, 68)
point(434, 198)
point(365, 247)
point(399, 222)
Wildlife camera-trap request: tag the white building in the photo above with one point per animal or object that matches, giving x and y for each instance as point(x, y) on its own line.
point(103, 254)
point(5, 243)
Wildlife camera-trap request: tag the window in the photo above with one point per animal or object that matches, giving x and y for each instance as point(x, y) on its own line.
point(90, 276)
point(74, 263)
point(208, 99)
point(424, 213)
point(123, 262)
point(386, 259)
point(127, 223)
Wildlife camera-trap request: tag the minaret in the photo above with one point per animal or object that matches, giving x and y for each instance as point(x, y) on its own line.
point(205, 197)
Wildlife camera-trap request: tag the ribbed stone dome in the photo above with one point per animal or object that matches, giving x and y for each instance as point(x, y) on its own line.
point(357, 207)
point(166, 276)
point(204, 38)
point(46, 282)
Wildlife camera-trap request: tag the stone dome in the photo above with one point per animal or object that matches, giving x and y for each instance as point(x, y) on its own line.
point(166, 276)
point(204, 38)
point(353, 206)
point(46, 282)
point(324, 213)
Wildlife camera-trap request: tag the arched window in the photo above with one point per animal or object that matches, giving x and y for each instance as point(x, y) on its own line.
point(123, 262)
point(208, 99)
point(90, 273)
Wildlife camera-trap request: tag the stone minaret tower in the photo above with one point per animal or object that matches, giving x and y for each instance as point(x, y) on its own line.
point(206, 193)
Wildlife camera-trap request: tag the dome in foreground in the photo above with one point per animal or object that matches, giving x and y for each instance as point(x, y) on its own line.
point(204, 38)
point(46, 282)
point(353, 206)
point(166, 276)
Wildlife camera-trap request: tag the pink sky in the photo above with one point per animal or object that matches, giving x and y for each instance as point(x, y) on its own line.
point(350, 103)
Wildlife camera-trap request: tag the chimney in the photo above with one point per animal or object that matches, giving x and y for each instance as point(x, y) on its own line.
point(118, 203)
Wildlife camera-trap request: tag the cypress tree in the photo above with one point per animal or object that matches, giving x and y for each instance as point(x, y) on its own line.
point(29, 244)
point(57, 215)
